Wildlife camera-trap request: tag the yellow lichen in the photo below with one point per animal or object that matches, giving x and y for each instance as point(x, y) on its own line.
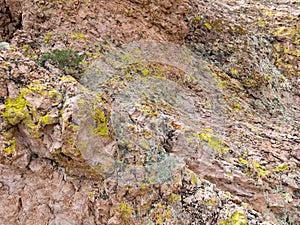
point(69, 79)
point(243, 161)
point(21, 110)
point(208, 26)
point(197, 18)
point(238, 218)
point(47, 37)
point(25, 48)
point(91, 194)
point(159, 220)
point(78, 36)
point(45, 119)
point(145, 145)
point(145, 71)
point(12, 147)
point(174, 198)
point(214, 142)
point(194, 180)
point(101, 121)
point(237, 107)
point(55, 97)
point(33, 87)
point(209, 202)
point(234, 71)
point(15, 110)
point(126, 212)
point(144, 186)
point(282, 167)
point(260, 169)
point(168, 214)
point(147, 135)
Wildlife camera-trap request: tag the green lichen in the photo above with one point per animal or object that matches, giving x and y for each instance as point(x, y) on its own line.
point(98, 169)
point(145, 145)
point(161, 213)
point(15, 110)
point(78, 153)
point(81, 102)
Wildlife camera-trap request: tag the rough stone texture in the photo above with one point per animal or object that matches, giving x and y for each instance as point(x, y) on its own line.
point(120, 21)
point(198, 124)
point(11, 18)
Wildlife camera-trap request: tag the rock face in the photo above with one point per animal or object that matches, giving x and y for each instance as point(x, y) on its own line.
point(11, 18)
point(157, 108)
point(149, 112)
point(118, 20)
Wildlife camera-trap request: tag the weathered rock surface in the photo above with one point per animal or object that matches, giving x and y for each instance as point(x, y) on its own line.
point(198, 124)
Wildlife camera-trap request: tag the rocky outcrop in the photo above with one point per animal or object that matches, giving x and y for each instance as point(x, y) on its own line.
point(153, 131)
point(121, 21)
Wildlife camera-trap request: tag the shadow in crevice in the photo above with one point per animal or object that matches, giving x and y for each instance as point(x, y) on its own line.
point(11, 20)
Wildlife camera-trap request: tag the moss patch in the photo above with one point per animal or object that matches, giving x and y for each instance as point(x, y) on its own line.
point(67, 60)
